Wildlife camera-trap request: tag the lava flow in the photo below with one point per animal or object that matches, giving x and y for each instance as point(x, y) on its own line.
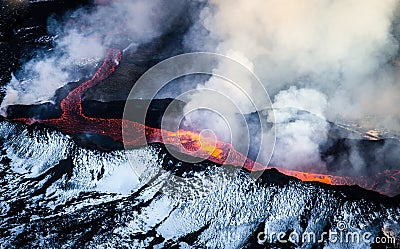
point(74, 121)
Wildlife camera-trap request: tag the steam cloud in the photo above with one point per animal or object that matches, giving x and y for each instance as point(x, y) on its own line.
point(81, 40)
point(336, 59)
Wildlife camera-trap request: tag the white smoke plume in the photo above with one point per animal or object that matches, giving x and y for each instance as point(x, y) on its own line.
point(298, 140)
point(81, 40)
point(334, 58)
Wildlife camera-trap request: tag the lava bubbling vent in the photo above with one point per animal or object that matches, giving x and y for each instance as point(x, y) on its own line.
point(198, 145)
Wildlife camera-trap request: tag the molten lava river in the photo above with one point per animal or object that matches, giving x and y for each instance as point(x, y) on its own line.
point(73, 121)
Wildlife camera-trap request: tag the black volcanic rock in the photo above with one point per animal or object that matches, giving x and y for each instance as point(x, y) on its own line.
point(41, 111)
point(135, 62)
point(377, 154)
point(155, 109)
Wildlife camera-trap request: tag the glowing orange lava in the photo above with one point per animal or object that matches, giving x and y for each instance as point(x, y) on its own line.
point(73, 121)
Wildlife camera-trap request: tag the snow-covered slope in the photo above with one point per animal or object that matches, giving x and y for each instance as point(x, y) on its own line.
point(55, 194)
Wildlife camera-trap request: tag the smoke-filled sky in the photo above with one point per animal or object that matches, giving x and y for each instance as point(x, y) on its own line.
point(337, 59)
point(345, 50)
point(334, 58)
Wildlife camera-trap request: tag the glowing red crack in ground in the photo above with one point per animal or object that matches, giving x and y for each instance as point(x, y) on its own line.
point(73, 121)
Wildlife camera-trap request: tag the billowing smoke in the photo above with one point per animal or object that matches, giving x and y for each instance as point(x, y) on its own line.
point(80, 43)
point(334, 58)
point(298, 140)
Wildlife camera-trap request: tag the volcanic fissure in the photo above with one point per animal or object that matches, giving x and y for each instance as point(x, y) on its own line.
point(74, 121)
